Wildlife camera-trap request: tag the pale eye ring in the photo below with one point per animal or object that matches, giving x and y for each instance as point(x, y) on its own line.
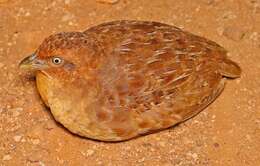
point(57, 60)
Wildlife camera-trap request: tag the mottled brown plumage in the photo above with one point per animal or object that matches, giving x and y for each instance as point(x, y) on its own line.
point(122, 79)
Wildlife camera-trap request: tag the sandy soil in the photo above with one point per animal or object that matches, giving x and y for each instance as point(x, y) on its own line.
point(225, 134)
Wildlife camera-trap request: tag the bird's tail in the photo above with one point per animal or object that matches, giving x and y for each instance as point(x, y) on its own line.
point(229, 68)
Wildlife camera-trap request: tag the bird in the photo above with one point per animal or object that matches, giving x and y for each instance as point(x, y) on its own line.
point(127, 78)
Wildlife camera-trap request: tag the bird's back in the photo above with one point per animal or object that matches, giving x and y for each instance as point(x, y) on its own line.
point(153, 75)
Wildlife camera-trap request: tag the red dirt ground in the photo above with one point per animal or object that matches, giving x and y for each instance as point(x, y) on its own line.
point(227, 133)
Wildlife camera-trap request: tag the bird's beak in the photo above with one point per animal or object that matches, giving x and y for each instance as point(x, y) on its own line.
point(32, 63)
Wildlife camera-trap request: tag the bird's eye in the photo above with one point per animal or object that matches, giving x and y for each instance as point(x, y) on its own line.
point(56, 60)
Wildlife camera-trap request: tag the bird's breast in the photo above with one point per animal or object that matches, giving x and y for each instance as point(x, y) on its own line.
point(43, 86)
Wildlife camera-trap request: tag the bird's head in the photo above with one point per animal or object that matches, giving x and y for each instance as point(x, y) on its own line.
point(61, 54)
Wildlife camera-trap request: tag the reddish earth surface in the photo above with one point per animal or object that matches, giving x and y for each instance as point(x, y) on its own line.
point(227, 133)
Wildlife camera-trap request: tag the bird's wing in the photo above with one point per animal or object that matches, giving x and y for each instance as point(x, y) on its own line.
point(146, 64)
point(157, 72)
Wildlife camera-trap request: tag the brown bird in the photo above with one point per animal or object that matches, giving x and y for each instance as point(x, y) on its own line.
point(123, 79)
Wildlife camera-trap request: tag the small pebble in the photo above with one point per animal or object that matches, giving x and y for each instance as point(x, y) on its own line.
point(67, 17)
point(90, 152)
point(27, 14)
point(194, 155)
point(248, 137)
point(35, 156)
point(23, 140)
point(36, 132)
point(255, 36)
point(16, 111)
point(35, 141)
point(41, 163)
point(7, 157)
point(209, 2)
point(234, 33)
point(162, 144)
point(17, 138)
point(108, 1)
point(67, 2)
point(216, 145)
point(49, 125)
